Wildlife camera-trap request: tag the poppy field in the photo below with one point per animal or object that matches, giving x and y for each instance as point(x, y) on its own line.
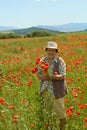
point(21, 107)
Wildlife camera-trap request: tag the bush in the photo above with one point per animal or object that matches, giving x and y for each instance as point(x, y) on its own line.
point(39, 34)
point(9, 35)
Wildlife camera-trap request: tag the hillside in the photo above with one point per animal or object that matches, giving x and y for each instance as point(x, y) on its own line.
point(85, 30)
point(28, 32)
point(32, 29)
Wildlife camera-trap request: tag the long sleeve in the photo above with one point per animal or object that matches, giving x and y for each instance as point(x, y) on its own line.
point(62, 67)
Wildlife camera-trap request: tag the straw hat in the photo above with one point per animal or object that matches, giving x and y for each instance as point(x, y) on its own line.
point(52, 45)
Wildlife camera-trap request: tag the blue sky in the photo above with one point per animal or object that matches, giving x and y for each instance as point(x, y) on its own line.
point(27, 13)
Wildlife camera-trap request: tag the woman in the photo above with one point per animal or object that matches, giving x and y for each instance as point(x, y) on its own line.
point(54, 81)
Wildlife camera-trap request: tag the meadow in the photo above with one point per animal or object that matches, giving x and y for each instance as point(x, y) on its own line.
point(21, 107)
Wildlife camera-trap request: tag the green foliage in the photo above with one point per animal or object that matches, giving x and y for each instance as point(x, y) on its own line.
point(40, 34)
point(32, 29)
point(9, 35)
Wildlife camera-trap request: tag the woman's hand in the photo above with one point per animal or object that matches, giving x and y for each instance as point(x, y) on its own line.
point(43, 77)
point(52, 77)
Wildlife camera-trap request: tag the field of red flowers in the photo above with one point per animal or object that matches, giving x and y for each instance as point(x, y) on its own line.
point(20, 104)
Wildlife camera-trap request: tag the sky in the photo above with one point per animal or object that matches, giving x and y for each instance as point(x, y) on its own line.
point(28, 13)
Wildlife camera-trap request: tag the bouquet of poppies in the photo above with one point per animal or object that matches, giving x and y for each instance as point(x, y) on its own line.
point(43, 66)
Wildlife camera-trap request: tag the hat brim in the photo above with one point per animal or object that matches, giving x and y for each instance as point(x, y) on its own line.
point(57, 50)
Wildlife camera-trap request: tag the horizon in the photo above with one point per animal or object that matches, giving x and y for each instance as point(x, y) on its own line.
point(32, 13)
point(45, 25)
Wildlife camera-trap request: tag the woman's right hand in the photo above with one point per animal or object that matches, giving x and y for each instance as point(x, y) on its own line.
point(43, 77)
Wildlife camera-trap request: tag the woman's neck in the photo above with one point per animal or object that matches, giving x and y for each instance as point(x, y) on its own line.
point(50, 59)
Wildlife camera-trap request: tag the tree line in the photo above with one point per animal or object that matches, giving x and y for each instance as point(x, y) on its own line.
point(29, 35)
point(9, 35)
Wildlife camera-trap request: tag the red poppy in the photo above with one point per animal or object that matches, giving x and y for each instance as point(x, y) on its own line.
point(12, 107)
point(85, 119)
point(15, 118)
point(77, 113)
point(32, 125)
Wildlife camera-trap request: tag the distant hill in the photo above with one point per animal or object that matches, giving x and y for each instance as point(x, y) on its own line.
point(85, 30)
point(32, 29)
point(70, 27)
point(5, 28)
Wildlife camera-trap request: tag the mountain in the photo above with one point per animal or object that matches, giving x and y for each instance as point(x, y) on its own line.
point(85, 30)
point(30, 30)
point(70, 27)
point(5, 28)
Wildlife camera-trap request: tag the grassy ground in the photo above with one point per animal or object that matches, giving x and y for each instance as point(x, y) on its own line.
point(21, 107)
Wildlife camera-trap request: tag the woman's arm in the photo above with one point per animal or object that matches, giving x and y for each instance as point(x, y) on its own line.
point(43, 77)
point(57, 77)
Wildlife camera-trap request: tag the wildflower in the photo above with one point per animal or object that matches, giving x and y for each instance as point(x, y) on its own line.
point(85, 119)
point(70, 113)
point(24, 101)
point(15, 118)
point(81, 97)
point(11, 107)
point(2, 101)
point(77, 113)
point(1, 87)
point(82, 106)
point(86, 104)
point(37, 60)
point(30, 83)
point(3, 80)
point(79, 79)
point(47, 126)
point(34, 70)
point(86, 125)
point(71, 108)
point(2, 115)
point(45, 67)
point(75, 95)
point(32, 125)
point(66, 100)
point(86, 84)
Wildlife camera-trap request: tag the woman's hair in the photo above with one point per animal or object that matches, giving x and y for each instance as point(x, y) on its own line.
point(55, 49)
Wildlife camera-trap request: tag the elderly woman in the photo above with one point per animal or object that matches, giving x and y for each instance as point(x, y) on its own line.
point(55, 81)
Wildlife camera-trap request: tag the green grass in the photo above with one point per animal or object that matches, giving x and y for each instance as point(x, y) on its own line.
point(17, 59)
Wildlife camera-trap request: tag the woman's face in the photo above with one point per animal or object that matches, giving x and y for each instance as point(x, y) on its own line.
point(51, 53)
